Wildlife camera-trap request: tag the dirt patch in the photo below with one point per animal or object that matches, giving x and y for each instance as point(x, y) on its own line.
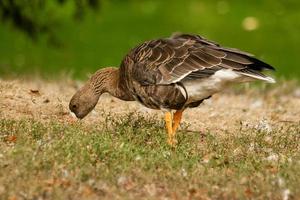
point(232, 109)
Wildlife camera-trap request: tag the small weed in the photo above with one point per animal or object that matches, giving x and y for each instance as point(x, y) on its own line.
point(128, 158)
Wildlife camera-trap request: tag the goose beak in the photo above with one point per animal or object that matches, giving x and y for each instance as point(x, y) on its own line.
point(74, 116)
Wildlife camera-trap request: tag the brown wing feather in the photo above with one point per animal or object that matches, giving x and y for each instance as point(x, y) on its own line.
point(182, 57)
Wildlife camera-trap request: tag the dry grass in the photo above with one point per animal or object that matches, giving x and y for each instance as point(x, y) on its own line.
point(44, 101)
point(241, 144)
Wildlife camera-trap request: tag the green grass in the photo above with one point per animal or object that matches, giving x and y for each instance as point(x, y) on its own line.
point(103, 39)
point(128, 158)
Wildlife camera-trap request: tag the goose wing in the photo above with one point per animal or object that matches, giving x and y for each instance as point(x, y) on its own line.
point(183, 56)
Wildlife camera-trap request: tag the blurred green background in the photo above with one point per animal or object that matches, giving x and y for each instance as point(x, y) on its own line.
point(269, 29)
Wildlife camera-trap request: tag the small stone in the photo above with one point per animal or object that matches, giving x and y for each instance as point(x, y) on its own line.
point(256, 104)
point(125, 183)
point(183, 172)
point(286, 194)
point(137, 158)
point(273, 157)
point(263, 125)
point(166, 154)
point(251, 147)
point(122, 180)
point(280, 182)
point(206, 158)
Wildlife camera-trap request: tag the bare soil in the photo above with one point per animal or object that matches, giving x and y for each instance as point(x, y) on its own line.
point(262, 107)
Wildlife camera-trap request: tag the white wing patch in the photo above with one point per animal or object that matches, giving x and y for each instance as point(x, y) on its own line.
point(225, 74)
point(199, 89)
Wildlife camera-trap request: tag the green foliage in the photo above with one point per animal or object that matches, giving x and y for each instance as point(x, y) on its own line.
point(103, 38)
point(38, 16)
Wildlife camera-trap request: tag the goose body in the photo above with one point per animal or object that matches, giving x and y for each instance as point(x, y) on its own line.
point(183, 70)
point(171, 74)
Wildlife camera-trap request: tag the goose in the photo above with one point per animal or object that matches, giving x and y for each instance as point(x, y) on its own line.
point(171, 74)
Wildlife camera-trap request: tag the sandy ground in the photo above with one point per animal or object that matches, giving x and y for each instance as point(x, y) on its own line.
point(226, 111)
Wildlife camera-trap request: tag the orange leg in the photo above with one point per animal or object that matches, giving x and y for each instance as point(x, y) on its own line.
point(172, 125)
point(168, 119)
point(176, 120)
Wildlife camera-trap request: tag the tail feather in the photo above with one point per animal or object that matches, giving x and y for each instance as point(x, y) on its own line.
point(257, 75)
point(259, 65)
